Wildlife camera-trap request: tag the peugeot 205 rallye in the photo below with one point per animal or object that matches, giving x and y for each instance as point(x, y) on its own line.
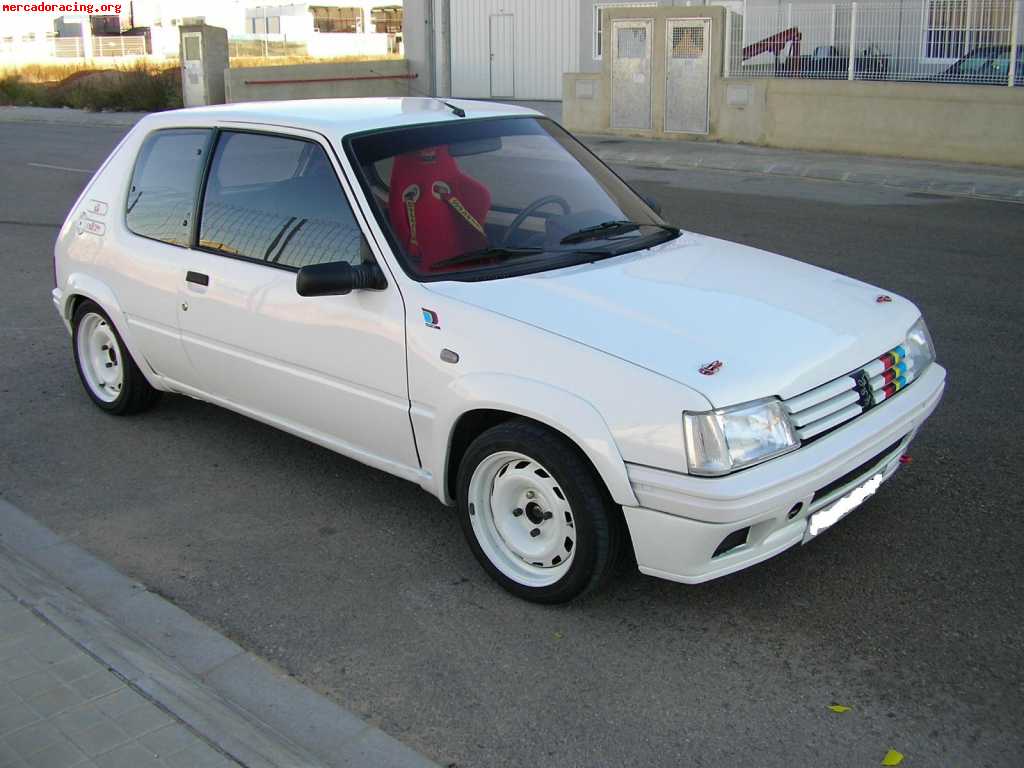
point(462, 295)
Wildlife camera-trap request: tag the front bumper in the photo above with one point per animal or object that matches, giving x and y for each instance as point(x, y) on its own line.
point(683, 520)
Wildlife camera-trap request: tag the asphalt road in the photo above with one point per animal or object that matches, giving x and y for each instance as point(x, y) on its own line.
point(361, 586)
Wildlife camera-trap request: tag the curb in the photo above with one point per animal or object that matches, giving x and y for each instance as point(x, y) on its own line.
point(968, 182)
point(232, 699)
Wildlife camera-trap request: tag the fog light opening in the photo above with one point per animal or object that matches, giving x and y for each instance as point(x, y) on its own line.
point(733, 540)
point(797, 508)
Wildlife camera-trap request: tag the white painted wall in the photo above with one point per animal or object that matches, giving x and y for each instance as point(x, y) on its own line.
point(546, 46)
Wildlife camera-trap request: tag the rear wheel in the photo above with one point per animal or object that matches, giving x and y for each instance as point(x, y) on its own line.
point(535, 513)
point(109, 374)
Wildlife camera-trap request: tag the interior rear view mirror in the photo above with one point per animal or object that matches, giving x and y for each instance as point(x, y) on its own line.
point(474, 147)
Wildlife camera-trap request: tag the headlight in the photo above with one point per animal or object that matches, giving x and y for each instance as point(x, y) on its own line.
point(920, 352)
point(722, 441)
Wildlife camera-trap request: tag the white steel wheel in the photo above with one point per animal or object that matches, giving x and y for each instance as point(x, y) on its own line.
point(100, 359)
point(522, 519)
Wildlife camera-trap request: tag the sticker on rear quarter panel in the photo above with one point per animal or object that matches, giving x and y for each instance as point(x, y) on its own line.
point(430, 318)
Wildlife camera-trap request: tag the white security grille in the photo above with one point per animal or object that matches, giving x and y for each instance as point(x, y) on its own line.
point(954, 41)
point(632, 43)
point(687, 42)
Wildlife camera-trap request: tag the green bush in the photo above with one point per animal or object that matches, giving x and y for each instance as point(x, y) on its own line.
point(14, 91)
point(134, 90)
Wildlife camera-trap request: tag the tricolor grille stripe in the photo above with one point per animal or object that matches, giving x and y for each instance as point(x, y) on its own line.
point(845, 398)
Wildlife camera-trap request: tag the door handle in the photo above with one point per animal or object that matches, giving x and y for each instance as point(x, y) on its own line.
point(197, 277)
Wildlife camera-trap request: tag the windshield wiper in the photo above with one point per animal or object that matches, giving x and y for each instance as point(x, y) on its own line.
point(492, 252)
point(610, 229)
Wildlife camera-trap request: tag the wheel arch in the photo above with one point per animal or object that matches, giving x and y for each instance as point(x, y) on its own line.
point(488, 400)
point(79, 288)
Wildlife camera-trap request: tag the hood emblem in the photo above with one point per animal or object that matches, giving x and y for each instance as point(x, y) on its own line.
point(711, 368)
point(883, 299)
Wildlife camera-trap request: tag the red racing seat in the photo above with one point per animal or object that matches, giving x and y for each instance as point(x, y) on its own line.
point(436, 210)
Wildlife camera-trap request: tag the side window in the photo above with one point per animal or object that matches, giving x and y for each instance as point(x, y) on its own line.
point(163, 191)
point(277, 200)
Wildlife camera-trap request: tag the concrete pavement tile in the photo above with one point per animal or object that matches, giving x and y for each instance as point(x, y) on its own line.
point(34, 685)
point(54, 702)
point(100, 738)
point(34, 738)
point(9, 607)
point(128, 756)
point(169, 740)
point(74, 668)
point(80, 719)
point(198, 756)
point(54, 650)
point(19, 646)
point(16, 717)
point(142, 720)
point(61, 755)
point(7, 755)
point(8, 698)
point(20, 622)
point(19, 666)
point(98, 684)
point(118, 702)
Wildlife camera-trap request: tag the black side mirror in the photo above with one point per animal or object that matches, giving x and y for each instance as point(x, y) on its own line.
point(339, 278)
point(653, 204)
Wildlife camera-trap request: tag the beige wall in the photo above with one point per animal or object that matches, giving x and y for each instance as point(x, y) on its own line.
point(957, 123)
point(322, 85)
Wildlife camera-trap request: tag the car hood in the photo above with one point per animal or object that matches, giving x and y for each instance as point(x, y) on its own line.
point(778, 326)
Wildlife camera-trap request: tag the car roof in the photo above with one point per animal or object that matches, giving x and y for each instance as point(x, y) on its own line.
point(337, 117)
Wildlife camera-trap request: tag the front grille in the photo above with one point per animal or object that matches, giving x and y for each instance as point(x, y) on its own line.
point(824, 408)
point(856, 473)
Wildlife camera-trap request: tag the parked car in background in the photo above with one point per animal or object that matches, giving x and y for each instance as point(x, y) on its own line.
point(985, 65)
point(832, 63)
point(462, 295)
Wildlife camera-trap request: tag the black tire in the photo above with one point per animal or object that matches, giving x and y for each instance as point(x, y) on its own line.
point(136, 394)
point(598, 521)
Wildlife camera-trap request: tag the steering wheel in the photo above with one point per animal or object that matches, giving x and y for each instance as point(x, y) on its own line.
point(532, 208)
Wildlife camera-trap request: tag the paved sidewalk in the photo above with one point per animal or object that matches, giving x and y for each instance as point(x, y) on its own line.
point(96, 670)
point(952, 179)
point(59, 707)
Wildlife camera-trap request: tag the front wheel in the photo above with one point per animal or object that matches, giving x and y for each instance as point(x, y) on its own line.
point(535, 513)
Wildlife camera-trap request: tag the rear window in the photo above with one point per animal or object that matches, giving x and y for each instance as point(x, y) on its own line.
point(162, 196)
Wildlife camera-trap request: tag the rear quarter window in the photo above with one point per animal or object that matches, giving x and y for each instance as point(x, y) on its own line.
point(165, 181)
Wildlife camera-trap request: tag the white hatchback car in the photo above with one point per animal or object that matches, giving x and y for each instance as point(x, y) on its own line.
point(462, 295)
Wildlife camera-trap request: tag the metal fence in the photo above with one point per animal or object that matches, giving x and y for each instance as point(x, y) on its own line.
point(952, 41)
point(72, 48)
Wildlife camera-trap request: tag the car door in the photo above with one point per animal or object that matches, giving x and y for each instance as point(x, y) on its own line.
point(331, 368)
point(152, 246)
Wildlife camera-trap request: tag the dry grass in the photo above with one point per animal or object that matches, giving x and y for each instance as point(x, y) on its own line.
point(141, 88)
point(284, 61)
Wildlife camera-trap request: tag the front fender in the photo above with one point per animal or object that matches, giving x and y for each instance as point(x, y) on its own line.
point(559, 409)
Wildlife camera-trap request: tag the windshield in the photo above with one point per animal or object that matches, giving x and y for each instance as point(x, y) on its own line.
point(483, 199)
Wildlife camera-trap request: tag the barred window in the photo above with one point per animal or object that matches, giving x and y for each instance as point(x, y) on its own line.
point(164, 185)
point(277, 200)
point(599, 24)
point(956, 27)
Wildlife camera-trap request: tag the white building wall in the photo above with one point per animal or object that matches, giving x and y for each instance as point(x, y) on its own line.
point(546, 45)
